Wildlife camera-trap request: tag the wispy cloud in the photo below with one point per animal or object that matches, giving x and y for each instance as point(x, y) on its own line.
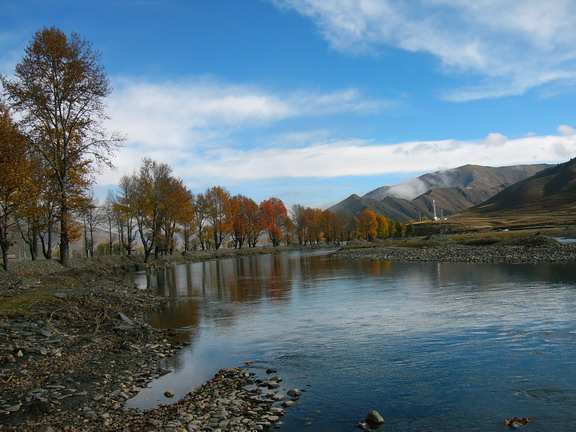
point(508, 47)
point(200, 120)
point(361, 158)
point(332, 158)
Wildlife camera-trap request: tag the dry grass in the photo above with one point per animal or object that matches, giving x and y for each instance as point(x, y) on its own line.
point(25, 304)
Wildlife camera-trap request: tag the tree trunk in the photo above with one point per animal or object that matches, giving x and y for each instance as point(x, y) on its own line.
point(4, 257)
point(64, 237)
point(34, 244)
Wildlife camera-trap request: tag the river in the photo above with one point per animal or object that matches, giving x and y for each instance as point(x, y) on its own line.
point(431, 346)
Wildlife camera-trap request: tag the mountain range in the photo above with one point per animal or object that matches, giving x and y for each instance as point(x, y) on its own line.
point(550, 190)
point(441, 193)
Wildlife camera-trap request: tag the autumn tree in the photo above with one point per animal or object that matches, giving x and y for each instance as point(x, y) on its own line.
point(187, 221)
point(348, 225)
point(410, 230)
point(331, 226)
point(59, 87)
point(273, 216)
point(201, 207)
point(298, 214)
point(367, 224)
point(254, 227)
point(35, 215)
point(216, 201)
point(151, 186)
point(240, 210)
point(399, 229)
point(313, 220)
point(14, 178)
point(175, 204)
point(383, 228)
point(92, 217)
point(124, 212)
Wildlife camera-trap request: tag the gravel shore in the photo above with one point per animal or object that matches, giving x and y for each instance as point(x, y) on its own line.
point(79, 348)
point(555, 253)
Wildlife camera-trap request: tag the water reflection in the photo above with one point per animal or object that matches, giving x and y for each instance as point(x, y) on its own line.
point(428, 344)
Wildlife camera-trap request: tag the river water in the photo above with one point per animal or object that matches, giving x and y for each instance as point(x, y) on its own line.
point(431, 346)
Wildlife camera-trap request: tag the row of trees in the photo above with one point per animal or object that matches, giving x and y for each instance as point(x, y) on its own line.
point(48, 158)
point(156, 208)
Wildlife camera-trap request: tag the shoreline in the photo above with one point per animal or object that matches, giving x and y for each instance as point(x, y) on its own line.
point(75, 347)
point(493, 254)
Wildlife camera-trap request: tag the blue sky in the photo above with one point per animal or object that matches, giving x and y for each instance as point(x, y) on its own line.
point(313, 100)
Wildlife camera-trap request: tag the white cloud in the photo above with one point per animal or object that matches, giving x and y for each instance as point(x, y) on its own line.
point(511, 46)
point(361, 158)
point(495, 140)
point(566, 130)
point(179, 114)
point(200, 128)
point(171, 121)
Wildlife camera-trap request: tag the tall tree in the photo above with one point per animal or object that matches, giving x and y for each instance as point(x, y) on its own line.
point(273, 216)
point(59, 87)
point(200, 207)
point(331, 226)
point(217, 198)
point(152, 184)
point(240, 210)
point(124, 210)
point(299, 220)
point(367, 225)
point(14, 178)
point(383, 229)
point(92, 217)
point(187, 221)
point(254, 227)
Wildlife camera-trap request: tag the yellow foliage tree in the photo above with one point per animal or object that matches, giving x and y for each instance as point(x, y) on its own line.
point(14, 178)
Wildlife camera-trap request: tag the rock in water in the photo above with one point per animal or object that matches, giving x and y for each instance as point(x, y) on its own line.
point(374, 418)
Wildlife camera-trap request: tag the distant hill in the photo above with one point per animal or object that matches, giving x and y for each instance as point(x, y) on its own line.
point(551, 190)
point(452, 191)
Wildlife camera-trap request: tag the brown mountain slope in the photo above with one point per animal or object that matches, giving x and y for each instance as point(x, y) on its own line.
point(552, 190)
point(464, 177)
point(452, 191)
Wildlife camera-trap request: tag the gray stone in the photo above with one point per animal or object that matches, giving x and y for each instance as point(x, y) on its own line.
point(155, 423)
point(295, 393)
point(374, 418)
point(14, 408)
point(90, 415)
point(125, 319)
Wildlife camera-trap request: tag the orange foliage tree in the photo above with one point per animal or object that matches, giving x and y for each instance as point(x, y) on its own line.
point(273, 217)
point(217, 199)
point(239, 211)
point(14, 178)
point(367, 225)
point(331, 226)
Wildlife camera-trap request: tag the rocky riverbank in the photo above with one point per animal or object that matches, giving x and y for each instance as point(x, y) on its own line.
point(540, 253)
point(74, 347)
